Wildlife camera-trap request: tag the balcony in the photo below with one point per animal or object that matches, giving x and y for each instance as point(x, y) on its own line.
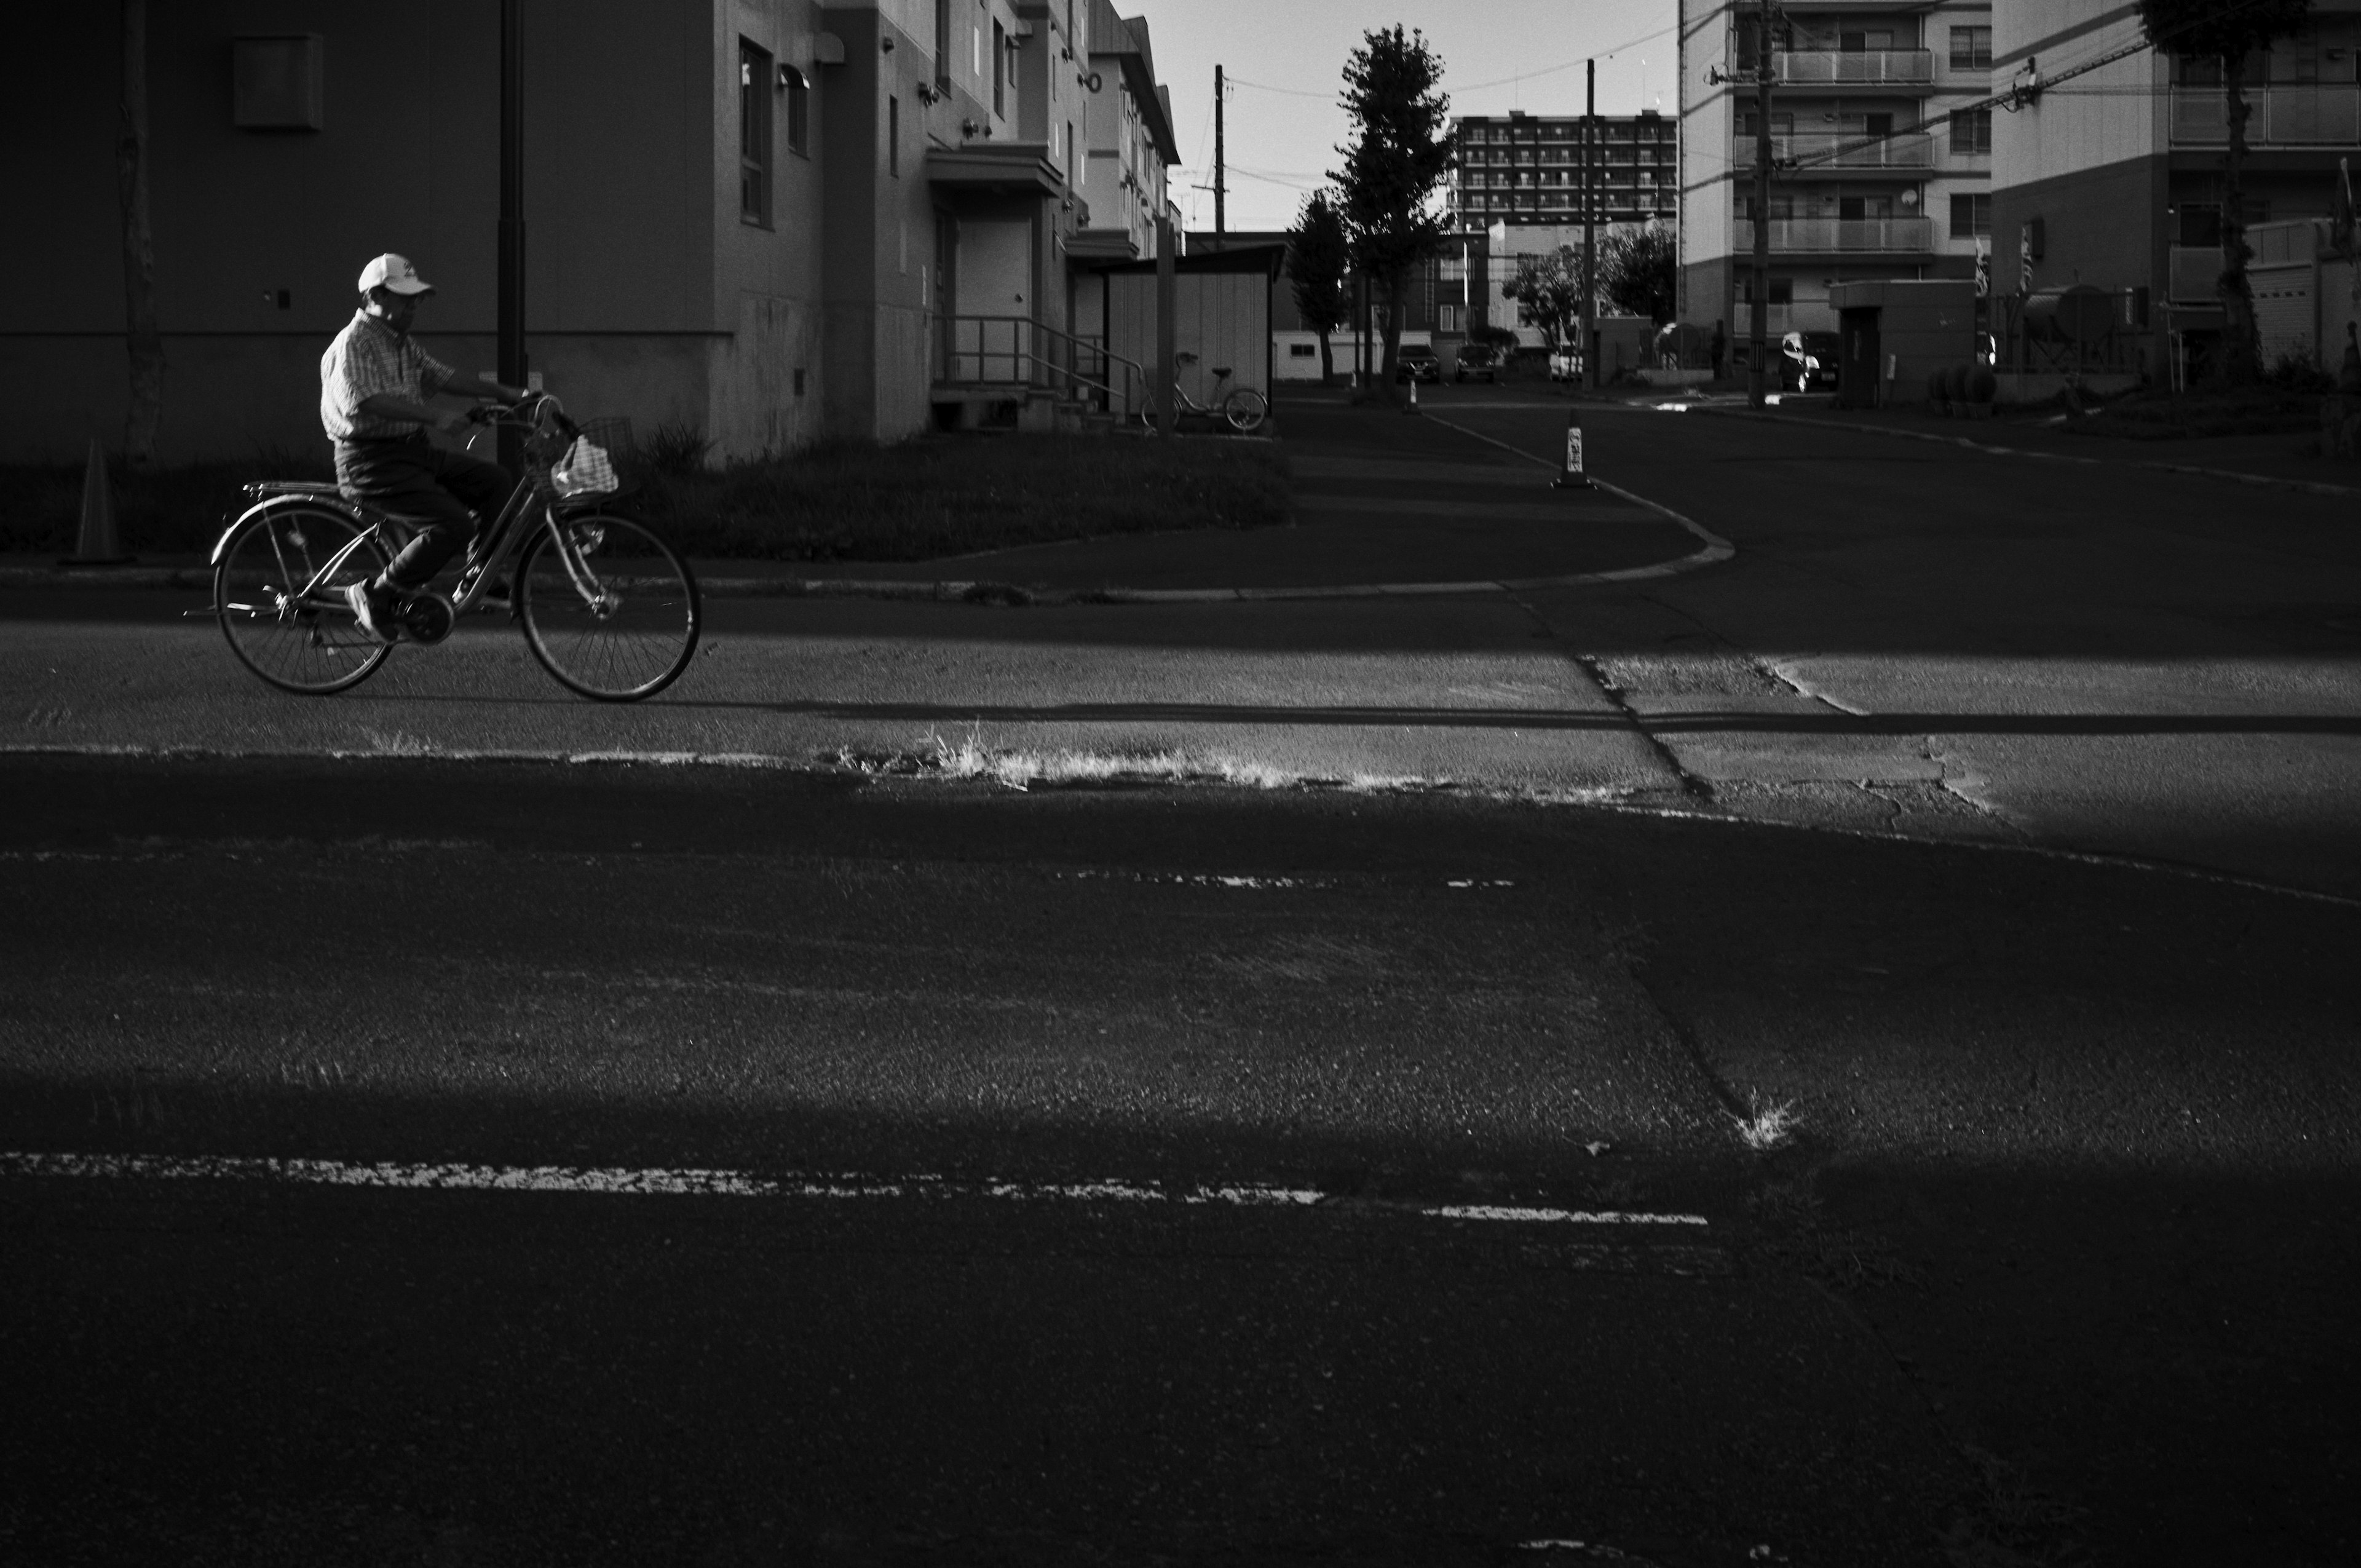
point(1839, 235)
point(2283, 117)
point(1853, 68)
point(1916, 150)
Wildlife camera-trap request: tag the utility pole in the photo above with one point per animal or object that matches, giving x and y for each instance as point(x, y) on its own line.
point(1221, 170)
point(1589, 225)
point(1759, 324)
point(508, 287)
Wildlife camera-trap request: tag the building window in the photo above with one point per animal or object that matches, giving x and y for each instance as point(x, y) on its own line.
point(1783, 290)
point(1302, 350)
point(1970, 131)
point(999, 69)
point(943, 44)
point(1970, 49)
point(894, 136)
point(1971, 216)
point(753, 135)
point(798, 110)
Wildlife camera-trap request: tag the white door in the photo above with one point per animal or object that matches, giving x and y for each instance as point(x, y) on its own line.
point(991, 340)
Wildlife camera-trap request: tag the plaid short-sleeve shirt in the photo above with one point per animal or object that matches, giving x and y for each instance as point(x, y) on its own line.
point(367, 358)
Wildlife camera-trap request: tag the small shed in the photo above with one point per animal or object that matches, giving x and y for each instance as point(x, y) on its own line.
point(1893, 330)
point(1221, 314)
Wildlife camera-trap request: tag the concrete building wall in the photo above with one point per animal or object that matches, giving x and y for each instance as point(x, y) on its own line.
point(635, 270)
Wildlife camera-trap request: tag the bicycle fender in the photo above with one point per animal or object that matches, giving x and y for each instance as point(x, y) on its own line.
point(258, 508)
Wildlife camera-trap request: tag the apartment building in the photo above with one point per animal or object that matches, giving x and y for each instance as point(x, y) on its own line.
point(2113, 179)
point(1521, 169)
point(760, 218)
point(1881, 167)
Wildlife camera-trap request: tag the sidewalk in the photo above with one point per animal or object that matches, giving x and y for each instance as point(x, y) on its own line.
point(1385, 503)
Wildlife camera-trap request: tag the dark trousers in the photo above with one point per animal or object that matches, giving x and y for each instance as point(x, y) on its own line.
point(439, 494)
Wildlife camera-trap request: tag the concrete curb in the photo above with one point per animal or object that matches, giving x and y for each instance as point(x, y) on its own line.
point(2267, 481)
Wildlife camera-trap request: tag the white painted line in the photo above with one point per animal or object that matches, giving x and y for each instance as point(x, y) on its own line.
point(1558, 1216)
point(1716, 548)
point(695, 1182)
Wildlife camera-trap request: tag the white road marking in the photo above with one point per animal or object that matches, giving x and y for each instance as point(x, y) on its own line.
point(695, 1182)
point(1558, 1216)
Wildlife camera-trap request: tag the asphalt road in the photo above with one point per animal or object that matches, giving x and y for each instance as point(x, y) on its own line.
point(1142, 1171)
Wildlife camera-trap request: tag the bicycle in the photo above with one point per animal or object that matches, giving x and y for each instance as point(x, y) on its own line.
point(609, 609)
point(1245, 409)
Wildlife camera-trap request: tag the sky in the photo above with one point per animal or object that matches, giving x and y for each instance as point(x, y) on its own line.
point(1285, 60)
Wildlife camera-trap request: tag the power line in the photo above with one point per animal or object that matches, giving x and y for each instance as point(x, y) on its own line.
point(1474, 86)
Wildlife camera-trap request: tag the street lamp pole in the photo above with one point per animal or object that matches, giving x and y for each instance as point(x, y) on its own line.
point(1589, 225)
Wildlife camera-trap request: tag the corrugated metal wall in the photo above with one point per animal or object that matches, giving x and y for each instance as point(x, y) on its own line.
point(1224, 318)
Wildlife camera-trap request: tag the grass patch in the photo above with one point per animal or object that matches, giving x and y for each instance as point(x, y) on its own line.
point(953, 494)
point(936, 496)
point(2179, 416)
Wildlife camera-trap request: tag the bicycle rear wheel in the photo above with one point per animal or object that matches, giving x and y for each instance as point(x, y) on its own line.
point(1246, 409)
point(627, 625)
point(310, 645)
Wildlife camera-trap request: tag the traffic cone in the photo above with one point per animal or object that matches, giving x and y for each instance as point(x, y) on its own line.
point(97, 544)
point(1571, 476)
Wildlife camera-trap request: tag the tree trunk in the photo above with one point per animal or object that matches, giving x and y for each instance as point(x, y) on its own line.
point(142, 341)
point(2241, 359)
point(1327, 357)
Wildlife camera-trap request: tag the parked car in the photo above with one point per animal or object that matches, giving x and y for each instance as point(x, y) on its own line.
point(1565, 364)
point(1807, 362)
point(1418, 362)
point(1477, 361)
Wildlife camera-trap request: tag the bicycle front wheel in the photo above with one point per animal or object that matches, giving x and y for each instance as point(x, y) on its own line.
point(308, 643)
point(607, 608)
point(1246, 409)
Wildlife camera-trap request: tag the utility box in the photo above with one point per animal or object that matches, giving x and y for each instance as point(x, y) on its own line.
point(1915, 325)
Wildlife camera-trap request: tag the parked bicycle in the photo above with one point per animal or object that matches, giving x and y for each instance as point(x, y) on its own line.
point(1244, 409)
point(607, 607)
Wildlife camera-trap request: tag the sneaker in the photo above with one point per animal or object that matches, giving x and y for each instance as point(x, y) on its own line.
point(373, 609)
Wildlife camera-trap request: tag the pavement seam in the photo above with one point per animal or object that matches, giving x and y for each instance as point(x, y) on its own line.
point(2267, 481)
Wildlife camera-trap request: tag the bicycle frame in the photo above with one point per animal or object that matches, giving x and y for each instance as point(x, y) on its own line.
point(526, 509)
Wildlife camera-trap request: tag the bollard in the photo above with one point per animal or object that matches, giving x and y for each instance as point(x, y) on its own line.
point(97, 544)
point(1571, 476)
point(1411, 407)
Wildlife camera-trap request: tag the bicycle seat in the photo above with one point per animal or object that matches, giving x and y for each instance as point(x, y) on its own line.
point(1184, 358)
point(1220, 371)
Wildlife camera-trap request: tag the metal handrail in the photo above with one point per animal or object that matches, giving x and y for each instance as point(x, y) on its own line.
point(1026, 364)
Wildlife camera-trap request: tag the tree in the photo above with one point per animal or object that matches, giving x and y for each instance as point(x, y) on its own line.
point(142, 341)
point(2227, 31)
point(1548, 292)
point(1318, 253)
point(1639, 272)
point(1401, 150)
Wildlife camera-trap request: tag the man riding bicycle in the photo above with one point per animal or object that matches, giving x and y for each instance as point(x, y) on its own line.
point(374, 386)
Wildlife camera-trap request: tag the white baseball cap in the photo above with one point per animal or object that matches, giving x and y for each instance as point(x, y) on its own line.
point(394, 274)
